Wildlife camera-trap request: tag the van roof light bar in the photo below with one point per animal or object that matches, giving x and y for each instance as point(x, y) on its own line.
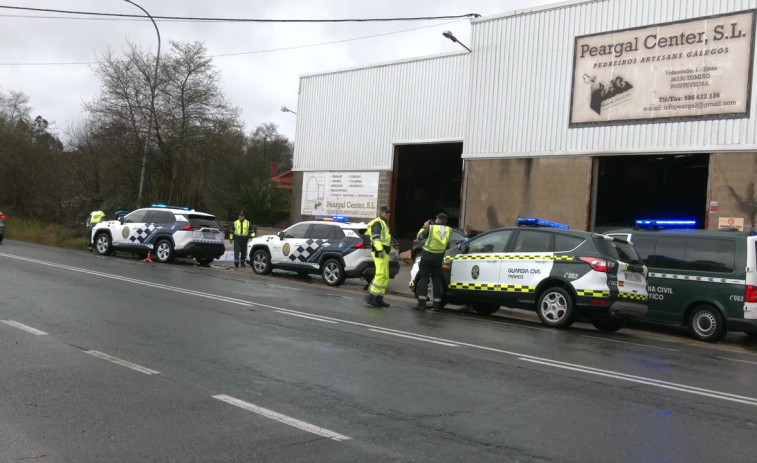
point(536, 222)
point(665, 223)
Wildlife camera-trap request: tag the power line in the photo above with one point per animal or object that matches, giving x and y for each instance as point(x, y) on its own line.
point(180, 18)
point(271, 50)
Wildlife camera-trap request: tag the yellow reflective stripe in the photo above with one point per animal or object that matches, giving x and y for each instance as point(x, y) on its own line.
point(592, 293)
point(511, 257)
point(493, 287)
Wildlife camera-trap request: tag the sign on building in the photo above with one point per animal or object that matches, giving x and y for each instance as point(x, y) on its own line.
point(354, 194)
point(698, 68)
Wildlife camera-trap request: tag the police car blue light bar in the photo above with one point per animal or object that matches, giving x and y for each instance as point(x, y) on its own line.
point(533, 221)
point(665, 223)
point(166, 206)
point(333, 218)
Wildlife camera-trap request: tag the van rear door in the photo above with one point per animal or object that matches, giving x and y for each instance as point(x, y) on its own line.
point(750, 300)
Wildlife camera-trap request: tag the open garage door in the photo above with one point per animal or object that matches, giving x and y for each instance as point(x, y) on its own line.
point(427, 180)
point(657, 186)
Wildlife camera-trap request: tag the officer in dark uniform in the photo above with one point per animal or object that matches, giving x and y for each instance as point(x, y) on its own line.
point(239, 237)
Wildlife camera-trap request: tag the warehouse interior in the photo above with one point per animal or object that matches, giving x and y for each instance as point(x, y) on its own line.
point(427, 179)
point(672, 186)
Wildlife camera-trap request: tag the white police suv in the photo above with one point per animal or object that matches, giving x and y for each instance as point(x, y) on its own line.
point(166, 231)
point(331, 246)
point(564, 275)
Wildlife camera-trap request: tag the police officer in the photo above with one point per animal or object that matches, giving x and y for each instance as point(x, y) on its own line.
point(381, 243)
point(93, 219)
point(239, 237)
point(437, 236)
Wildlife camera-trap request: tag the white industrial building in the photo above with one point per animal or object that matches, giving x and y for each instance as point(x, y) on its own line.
point(591, 113)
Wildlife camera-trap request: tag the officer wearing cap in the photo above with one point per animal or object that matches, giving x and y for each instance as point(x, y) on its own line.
point(437, 236)
point(381, 243)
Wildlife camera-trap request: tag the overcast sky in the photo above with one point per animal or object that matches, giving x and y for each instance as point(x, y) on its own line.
point(50, 56)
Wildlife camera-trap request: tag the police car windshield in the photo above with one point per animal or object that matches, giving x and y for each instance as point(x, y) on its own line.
point(618, 249)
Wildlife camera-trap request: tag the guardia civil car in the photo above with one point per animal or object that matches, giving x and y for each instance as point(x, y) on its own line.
point(165, 231)
point(332, 246)
point(562, 274)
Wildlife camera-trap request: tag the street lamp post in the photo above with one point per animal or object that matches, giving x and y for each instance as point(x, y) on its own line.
point(151, 116)
point(284, 109)
point(452, 37)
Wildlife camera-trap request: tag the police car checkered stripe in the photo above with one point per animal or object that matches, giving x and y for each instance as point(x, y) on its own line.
point(491, 287)
point(592, 293)
point(510, 257)
point(675, 276)
point(308, 251)
point(634, 297)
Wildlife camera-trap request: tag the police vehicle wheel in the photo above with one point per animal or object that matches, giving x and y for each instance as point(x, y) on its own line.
point(332, 272)
point(204, 261)
point(484, 309)
point(706, 324)
point(608, 325)
point(103, 244)
point(556, 308)
point(261, 262)
point(163, 251)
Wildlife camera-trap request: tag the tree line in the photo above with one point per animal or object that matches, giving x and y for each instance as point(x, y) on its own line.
point(181, 127)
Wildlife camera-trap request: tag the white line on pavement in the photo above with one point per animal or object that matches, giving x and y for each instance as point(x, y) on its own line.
point(626, 342)
point(123, 363)
point(281, 418)
point(316, 318)
point(26, 328)
point(737, 360)
point(417, 338)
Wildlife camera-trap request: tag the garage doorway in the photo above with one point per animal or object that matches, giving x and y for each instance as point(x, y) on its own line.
point(427, 179)
point(672, 186)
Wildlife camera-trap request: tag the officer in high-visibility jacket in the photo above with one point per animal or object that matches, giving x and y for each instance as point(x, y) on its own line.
point(239, 237)
point(93, 219)
point(437, 236)
point(381, 244)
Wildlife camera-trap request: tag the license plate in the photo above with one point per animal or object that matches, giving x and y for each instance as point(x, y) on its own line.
point(208, 236)
point(635, 277)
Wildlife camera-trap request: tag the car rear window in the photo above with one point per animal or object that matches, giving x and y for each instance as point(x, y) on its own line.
point(618, 249)
point(204, 221)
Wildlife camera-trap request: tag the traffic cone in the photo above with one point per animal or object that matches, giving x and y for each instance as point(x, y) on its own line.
point(148, 258)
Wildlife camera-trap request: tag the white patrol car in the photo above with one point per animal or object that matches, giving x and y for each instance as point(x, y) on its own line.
point(166, 231)
point(563, 274)
point(331, 246)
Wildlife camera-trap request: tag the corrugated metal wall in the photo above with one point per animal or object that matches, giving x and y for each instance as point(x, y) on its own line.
point(349, 120)
point(521, 76)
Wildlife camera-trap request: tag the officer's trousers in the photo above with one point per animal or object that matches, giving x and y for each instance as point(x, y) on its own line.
point(240, 248)
point(381, 281)
point(430, 268)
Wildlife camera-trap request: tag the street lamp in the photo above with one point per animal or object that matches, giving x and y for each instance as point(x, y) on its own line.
point(284, 109)
point(450, 36)
point(152, 108)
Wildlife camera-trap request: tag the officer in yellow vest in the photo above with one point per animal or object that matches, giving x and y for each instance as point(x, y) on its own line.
point(239, 237)
point(93, 219)
point(437, 236)
point(381, 243)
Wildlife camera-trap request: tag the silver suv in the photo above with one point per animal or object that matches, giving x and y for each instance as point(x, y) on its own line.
point(166, 231)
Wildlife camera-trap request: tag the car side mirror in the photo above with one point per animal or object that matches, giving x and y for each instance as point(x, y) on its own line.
point(121, 219)
point(280, 235)
point(463, 247)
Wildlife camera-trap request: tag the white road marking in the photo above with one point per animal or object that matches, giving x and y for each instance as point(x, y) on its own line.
point(417, 338)
point(530, 358)
point(737, 360)
point(626, 342)
point(123, 363)
point(281, 418)
point(26, 328)
point(647, 381)
point(316, 318)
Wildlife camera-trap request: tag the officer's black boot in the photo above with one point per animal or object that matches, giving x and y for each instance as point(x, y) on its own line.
point(421, 305)
point(371, 300)
point(380, 302)
point(437, 307)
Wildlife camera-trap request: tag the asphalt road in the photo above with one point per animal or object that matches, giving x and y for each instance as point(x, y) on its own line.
point(113, 359)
